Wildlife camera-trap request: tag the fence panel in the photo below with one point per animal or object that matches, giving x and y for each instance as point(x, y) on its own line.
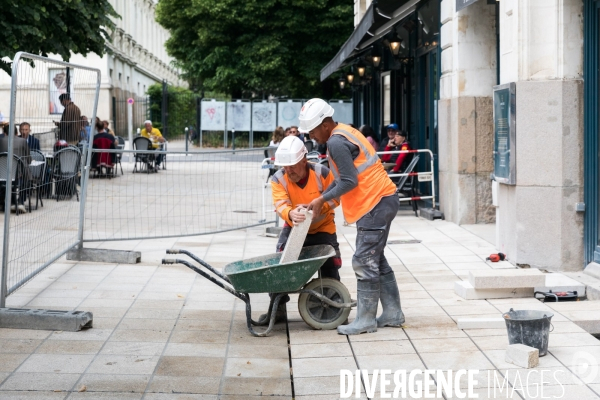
point(199, 193)
point(37, 234)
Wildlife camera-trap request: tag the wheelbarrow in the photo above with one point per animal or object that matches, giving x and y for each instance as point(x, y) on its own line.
point(324, 303)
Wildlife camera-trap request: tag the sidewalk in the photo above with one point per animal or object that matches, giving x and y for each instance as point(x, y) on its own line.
point(164, 332)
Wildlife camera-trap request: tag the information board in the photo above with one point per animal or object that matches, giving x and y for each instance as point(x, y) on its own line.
point(238, 116)
point(213, 116)
point(342, 112)
point(287, 113)
point(264, 117)
point(505, 134)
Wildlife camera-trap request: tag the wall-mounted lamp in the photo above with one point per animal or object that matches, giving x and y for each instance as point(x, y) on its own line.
point(395, 43)
point(376, 61)
point(361, 67)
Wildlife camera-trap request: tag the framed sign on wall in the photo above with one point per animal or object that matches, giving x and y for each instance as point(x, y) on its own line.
point(505, 130)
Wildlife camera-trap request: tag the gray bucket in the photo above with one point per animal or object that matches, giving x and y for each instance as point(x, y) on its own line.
point(529, 327)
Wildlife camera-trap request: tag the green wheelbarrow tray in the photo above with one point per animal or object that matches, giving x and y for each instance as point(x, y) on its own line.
point(264, 274)
point(323, 303)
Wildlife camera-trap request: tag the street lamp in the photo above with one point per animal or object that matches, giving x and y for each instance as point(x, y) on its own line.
point(395, 43)
point(342, 83)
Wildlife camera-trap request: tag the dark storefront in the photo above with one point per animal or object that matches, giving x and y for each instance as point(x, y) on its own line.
point(390, 64)
point(591, 129)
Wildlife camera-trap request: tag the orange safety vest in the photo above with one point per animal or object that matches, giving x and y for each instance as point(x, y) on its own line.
point(287, 195)
point(373, 181)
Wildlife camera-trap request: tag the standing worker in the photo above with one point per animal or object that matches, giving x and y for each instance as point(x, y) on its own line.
point(368, 198)
point(293, 187)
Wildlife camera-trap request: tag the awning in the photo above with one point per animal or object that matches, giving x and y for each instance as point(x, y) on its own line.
point(377, 22)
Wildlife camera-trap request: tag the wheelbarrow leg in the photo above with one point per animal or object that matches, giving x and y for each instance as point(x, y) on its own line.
point(271, 315)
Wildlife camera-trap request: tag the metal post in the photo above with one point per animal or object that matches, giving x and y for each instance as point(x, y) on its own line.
point(225, 128)
point(233, 140)
point(164, 113)
point(8, 191)
point(130, 123)
point(114, 115)
point(187, 138)
point(85, 174)
point(251, 131)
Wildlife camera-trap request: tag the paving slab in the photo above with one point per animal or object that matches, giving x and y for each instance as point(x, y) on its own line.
point(507, 278)
point(466, 290)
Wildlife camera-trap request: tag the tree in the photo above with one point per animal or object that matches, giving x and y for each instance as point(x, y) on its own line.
point(60, 27)
point(261, 46)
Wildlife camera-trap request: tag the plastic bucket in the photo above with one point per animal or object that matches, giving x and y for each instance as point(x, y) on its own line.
point(529, 327)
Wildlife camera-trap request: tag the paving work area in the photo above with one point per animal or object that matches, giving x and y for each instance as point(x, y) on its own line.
point(164, 332)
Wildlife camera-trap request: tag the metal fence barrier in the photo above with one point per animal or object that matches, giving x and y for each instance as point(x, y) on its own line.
point(198, 193)
point(423, 176)
point(33, 240)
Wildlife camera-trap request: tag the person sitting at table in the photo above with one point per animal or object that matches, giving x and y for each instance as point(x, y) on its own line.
point(103, 140)
point(20, 149)
point(400, 160)
point(107, 129)
point(32, 142)
point(157, 140)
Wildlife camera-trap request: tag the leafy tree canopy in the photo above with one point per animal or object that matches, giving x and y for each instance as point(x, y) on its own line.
point(263, 46)
point(54, 26)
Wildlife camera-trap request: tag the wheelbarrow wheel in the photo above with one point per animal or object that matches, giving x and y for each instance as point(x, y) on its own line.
point(318, 314)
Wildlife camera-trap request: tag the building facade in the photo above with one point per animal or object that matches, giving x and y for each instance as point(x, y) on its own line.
point(136, 59)
point(439, 86)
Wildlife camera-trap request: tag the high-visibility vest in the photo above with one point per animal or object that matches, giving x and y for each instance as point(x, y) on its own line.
point(287, 195)
point(373, 181)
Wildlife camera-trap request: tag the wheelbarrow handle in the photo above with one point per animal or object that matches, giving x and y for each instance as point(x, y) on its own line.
point(199, 261)
point(214, 280)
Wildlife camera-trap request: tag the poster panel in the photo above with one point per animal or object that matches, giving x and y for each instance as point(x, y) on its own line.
point(58, 86)
point(287, 113)
point(342, 112)
point(213, 115)
point(238, 116)
point(264, 117)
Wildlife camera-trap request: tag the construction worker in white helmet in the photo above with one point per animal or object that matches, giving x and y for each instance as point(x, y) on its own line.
point(293, 187)
point(368, 199)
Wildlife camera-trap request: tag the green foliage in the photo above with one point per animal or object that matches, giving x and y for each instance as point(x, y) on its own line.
point(261, 46)
point(60, 27)
point(181, 109)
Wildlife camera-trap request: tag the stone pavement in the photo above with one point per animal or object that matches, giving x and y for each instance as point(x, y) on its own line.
point(164, 332)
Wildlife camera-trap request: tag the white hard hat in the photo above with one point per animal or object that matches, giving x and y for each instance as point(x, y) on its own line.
point(313, 113)
point(290, 151)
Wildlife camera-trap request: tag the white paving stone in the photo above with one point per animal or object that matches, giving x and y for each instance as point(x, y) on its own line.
point(522, 355)
point(507, 278)
point(465, 290)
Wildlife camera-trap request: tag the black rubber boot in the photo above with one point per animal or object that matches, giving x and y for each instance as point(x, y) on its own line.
point(279, 316)
point(392, 314)
point(368, 298)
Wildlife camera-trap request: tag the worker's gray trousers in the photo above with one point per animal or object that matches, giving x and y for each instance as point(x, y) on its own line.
point(373, 229)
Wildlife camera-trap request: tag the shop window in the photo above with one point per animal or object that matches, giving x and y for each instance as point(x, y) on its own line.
point(386, 94)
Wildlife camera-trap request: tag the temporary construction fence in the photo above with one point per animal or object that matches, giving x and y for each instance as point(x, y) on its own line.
point(198, 193)
point(41, 88)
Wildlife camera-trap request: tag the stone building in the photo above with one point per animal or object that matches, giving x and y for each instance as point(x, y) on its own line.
point(136, 60)
point(440, 86)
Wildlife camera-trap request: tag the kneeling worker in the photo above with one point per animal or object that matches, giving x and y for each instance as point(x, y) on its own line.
point(368, 198)
point(293, 187)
